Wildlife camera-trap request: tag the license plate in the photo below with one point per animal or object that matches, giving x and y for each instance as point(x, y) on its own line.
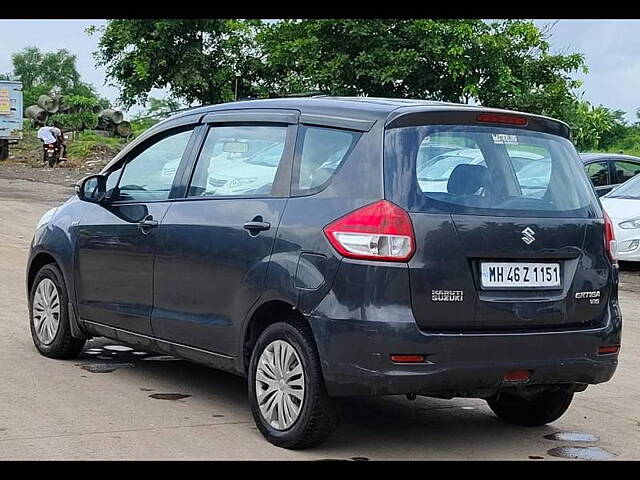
point(519, 275)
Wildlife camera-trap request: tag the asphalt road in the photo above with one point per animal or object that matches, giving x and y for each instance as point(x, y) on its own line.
point(116, 404)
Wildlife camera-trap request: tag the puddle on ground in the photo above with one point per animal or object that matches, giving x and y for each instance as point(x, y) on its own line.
point(146, 389)
point(118, 348)
point(360, 459)
point(168, 396)
point(572, 437)
point(161, 358)
point(536, 457)
point(217, 416)
point(581, 453)
point(105, 367)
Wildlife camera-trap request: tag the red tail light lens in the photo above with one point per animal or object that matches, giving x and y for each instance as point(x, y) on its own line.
point(610, 244)
point(378, 231)
point(608, 349)
point(516, 376)
point(506, 119)
point(407, 358)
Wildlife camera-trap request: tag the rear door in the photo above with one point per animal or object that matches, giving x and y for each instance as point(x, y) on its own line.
point(214, 245)
point(624, 170)
point(510, 242)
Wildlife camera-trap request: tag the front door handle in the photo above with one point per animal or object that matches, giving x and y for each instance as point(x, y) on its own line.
point(147, 224)
point(257, 226)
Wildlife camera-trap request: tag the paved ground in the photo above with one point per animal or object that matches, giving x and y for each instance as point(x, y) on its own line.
point(52, 409)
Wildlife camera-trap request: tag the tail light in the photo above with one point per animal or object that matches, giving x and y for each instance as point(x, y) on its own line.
point(610, 244)
point(378, 231)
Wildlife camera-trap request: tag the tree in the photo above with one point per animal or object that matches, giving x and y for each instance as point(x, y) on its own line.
point(203, 60)
point(504, 63)
point(48, 73)
point(52, 69)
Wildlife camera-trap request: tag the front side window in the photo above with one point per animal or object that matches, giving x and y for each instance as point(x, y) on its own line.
point(485, 170)
point(323, 151)
point(238, 160)
point(148, 176)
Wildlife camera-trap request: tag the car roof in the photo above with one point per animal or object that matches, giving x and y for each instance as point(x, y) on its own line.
point(594, 156)
point(370, 108)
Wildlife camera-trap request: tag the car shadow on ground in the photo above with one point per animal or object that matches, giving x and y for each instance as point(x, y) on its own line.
point(428, 425)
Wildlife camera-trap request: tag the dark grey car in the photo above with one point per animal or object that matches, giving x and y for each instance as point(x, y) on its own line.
point(328, 247)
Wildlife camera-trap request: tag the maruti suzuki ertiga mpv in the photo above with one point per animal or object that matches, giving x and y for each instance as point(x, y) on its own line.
point(327, 247)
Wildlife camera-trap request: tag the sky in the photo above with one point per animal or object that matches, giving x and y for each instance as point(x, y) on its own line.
point(611, 49)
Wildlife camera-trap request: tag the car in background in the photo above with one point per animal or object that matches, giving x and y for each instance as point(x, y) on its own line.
point(622, 205)
point(608, 170)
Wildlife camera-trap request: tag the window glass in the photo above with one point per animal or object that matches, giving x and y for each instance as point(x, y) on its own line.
point(149, 175)
point(626, 170)
point(598, 172)
point(239, 160)
point(485, 170)
point(112, 180)
point(323, 151)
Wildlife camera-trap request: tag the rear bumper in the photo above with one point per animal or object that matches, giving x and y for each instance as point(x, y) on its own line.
point(355, 357)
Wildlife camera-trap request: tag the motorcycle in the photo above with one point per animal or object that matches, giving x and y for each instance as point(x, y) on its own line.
point(52, 154)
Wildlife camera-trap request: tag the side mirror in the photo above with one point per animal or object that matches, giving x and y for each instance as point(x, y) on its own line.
point(92, 189)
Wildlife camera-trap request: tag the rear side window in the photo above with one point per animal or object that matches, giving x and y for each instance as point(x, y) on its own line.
point(485, 171)
point(323, 151)
point(626, 170)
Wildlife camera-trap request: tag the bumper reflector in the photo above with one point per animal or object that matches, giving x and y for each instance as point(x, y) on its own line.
point(516, 376)
point(608, 349)
point(407, 358)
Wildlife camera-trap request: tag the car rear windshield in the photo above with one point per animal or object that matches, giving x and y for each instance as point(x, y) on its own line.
point(486, 171)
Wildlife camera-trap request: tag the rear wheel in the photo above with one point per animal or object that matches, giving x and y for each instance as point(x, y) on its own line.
point(49, 315)
point(286, 388)
point(545, 408)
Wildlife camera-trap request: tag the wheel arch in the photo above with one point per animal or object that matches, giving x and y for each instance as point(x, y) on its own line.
point(264, 315)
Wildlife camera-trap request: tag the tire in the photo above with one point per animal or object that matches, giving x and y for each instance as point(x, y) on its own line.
point(60, 344)
point(545, 408)
point(318, 413)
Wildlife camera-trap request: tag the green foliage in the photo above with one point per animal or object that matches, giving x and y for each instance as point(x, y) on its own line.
point(199, 58)
point(140, 125)
point(505, 63)
point(74, 121)
point(86, 143)
point(55, 70)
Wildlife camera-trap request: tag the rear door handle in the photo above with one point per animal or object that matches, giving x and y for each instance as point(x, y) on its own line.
point(147, 224)
point(257, 226)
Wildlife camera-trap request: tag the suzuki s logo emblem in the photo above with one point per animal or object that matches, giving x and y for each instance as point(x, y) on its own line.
point(528, 235)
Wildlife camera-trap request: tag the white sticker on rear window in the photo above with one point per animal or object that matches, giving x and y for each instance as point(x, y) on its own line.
point(504, 139)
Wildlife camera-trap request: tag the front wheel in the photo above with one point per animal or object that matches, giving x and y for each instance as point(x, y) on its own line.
point(49, 315)
point(545, 408)
point(286, 388)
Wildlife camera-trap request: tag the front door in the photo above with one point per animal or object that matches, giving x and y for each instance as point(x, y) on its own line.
point(117, 242)
point(214, 246)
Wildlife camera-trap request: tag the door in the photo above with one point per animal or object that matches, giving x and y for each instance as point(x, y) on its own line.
point(508, 241)
point(214, 245)
point(117, 242)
